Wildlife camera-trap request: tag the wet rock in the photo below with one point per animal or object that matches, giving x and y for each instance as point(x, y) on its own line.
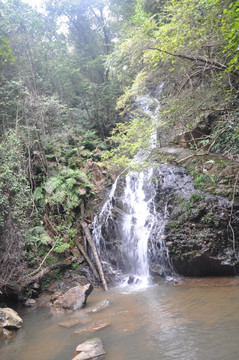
point(30, 302)
point(70, 279)
point(90, 349)
point(99, 306)
point(156, 270)
point(10, 319)
point(73, 322)
point(7, 334)
point(131, 279)
point(199, 236)
point(74, 299)
point(69, 324)
point(92, 328)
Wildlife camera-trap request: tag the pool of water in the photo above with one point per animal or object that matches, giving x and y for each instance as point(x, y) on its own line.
point(196, 319)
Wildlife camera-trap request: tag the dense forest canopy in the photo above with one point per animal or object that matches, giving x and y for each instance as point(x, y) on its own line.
point(68, 77)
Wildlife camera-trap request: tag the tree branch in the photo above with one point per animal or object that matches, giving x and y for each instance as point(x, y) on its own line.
point(214, 63)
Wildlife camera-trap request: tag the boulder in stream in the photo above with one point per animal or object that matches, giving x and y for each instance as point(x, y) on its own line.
point(90, 349)
point(9, 319)
point(74, 299)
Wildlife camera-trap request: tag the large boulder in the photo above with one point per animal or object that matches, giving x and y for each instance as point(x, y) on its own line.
point(90, 349)
point(74, 299)
point(9, 319)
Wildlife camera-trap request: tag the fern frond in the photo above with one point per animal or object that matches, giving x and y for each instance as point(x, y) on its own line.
point(53, 183)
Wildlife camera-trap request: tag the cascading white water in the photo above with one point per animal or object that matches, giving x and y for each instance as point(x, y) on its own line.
point(137, 222)
point(130, 230)
point(137, 215)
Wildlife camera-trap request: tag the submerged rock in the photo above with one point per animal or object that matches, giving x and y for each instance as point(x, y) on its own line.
point(90, 349)
point(92, 328)
point(71, 323)
point(7, 334)
point(10, 319)
point(99, 306)
point(74, 299)
point(30, 303)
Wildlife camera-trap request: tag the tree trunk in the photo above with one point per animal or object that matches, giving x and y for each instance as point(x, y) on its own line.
point(82, 250)
point(95, 253)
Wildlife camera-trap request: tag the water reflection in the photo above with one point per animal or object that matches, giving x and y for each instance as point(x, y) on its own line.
point(195, 320)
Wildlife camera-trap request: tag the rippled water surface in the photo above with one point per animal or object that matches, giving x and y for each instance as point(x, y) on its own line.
point(197, 319)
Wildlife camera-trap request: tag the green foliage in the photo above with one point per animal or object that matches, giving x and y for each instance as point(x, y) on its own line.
point(203, 178)
point(14, 186)
point(194, 198)
point(75, 265)
point(128, 139)
point(66, 188)
point(6, 55)
point(37, 236)
point(227, 136)
point(61, 246)
point(230, 29)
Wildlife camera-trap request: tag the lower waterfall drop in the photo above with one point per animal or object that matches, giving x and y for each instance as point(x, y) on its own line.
point(130, 230)
point(137, 223)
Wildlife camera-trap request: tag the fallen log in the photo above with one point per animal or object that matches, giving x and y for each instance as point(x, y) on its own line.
point(82, 250)
point(95, 253)
point(43, 272)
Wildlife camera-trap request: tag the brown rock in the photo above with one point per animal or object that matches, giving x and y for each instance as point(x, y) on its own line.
point(99, 306)
point(90, 349)
point(74, 299)
point(10, 319)
point(92, 327)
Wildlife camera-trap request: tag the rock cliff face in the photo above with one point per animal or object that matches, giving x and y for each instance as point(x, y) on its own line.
point(202, 234)
point(194, 233)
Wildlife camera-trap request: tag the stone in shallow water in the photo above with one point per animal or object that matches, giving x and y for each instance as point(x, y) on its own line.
point(73, 299)
point(99, 306)
point(30, 302)
point(90, 349)
point(71, 323)
point(92, 327)
point(10, 319)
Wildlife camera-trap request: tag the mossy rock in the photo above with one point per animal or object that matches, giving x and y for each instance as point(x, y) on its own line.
point(211, 173)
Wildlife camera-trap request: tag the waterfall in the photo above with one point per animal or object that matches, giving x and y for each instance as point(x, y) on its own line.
point(131, 227)
point(137, 223)
point(129, 231)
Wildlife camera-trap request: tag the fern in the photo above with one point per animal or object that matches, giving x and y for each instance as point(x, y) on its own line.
point(38, 194)
point(52, 184)
point(70, 182)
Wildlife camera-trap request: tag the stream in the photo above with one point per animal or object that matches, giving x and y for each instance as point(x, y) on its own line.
point(196, 319)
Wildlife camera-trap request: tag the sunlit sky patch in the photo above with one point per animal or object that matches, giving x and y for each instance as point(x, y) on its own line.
point(36, 4)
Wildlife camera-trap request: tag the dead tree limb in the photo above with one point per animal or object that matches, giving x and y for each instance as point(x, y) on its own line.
point(215, 64)
point(43, 272)
point(82, 250)
point(205, 153)
point(45, 257)
point(230, 220)
point(95, 253)
point(50, 226)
